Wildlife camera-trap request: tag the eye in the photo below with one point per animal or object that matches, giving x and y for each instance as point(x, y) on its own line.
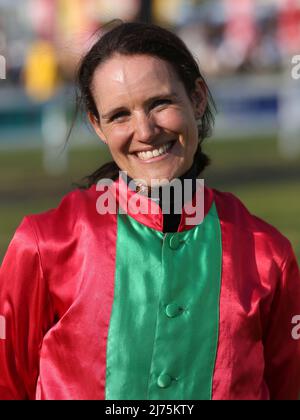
point(119, 116)
point(161, 102)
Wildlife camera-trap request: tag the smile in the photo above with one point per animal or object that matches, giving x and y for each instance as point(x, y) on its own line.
point(162, 150)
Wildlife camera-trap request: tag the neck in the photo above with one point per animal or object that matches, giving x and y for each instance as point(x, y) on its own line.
point(156, 193)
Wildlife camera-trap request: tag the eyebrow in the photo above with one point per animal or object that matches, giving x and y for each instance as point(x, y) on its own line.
point(170, 95)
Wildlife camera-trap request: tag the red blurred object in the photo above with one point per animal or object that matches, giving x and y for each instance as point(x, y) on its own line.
point(43, 17)
point(289, 26)
point(240, 28)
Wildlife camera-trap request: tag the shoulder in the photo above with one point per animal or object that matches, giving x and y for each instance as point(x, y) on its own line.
point(241, 223)
point(77, 205)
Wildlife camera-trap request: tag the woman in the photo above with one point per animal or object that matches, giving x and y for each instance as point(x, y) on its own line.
point(148, 305)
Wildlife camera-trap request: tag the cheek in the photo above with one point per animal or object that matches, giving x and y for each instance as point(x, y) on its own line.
point(181, 123)
point(116, 138)
point(172, 120)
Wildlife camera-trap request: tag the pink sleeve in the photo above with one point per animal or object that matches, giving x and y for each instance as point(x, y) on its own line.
point(24, 315)
point(282, 346)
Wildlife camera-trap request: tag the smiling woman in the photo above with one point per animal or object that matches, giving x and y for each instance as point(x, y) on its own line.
point(147, 119)
point(133, 304)
point(145, 84)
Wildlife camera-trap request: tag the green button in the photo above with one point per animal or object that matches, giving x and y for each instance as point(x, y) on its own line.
point(175, 242)
point(173, 309)
point(164, 380)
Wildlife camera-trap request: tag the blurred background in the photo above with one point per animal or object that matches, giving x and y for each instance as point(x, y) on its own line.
point(245, 48)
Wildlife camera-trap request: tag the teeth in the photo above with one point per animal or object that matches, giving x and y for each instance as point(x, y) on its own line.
point(154, 153)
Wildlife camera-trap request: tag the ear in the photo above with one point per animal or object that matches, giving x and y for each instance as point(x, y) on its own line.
point(96, 126)
point(199, 98)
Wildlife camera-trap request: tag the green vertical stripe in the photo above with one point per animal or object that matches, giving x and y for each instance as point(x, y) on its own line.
point(136, 300)
point(164, 328)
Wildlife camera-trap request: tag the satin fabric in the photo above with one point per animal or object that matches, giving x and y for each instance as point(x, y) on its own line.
point(56, 293)
point(57, 285)
point(165, 318)
point(260, 294)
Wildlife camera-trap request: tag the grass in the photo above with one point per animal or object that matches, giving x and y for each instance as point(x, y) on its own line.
point(252, 169)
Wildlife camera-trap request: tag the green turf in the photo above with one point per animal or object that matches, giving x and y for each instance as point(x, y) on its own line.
point(240, 167)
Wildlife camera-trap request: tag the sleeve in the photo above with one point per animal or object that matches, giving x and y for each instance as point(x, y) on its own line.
point(282, 343)
point(24, 315)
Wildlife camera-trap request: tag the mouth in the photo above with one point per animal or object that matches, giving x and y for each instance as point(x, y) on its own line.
point(156, 154)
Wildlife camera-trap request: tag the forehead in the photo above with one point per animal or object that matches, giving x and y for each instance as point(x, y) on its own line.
point(133, 77)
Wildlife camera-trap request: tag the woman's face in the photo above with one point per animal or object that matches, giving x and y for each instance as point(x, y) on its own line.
point(146, 117)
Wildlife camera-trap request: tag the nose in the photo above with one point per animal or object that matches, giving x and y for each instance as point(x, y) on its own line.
point(145, 128)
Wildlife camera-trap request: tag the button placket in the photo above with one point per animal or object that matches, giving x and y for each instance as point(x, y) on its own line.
point(164, 368)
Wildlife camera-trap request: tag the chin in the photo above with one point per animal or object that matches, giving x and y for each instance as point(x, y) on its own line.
point(161, 178)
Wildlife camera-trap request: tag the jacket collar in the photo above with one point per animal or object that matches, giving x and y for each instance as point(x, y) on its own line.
point(148, 212)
